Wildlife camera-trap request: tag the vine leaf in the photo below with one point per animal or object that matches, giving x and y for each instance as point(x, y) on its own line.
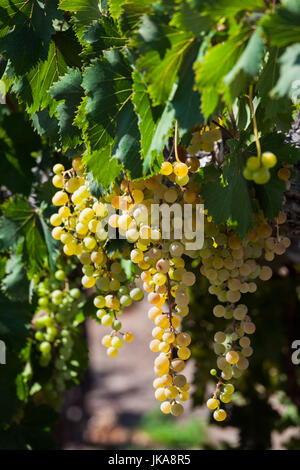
point(15, 284)
point(283, 27)
point(45, 125)
point(270, 197)
point(221, 8)
point(147, 121)
point(33, 86)
point(288, 82)
point(86, 10)
point(101, 35)
point(160, 72)
point(127, 147)
point(29, 26)
point(106, 115)
point(68, 89)
point(52, 245)
point(214, 66)
point(107, 86)
point(17, 142)
point(103, 167)
point(186, 101)
point(231, 200)
point(188, 19)
point(156, 124)
point(250, 60)
point(27, 227)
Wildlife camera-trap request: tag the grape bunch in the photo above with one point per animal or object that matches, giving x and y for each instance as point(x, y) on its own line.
point(81, 224)
point(258, 168)
point(231, 266)
point(56, 332)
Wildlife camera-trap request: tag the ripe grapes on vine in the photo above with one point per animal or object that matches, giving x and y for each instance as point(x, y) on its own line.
point(146, 153)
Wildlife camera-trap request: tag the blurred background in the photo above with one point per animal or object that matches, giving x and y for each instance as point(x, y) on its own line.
point(115, 408)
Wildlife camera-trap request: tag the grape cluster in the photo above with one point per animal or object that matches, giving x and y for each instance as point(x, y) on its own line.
point(55, 326)
point(258, 168)
point(230, 264)
point(81, 224)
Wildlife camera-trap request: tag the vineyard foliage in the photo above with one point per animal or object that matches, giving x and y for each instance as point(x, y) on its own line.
point(110, 82)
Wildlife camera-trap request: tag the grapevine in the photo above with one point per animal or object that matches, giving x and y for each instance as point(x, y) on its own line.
point(148, 149)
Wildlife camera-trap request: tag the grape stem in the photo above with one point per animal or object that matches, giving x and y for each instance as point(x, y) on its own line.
point(254, 122)
point(176, 142)
point(170, 315)
point(218, 387)
point(129, 192)
point(67, 284)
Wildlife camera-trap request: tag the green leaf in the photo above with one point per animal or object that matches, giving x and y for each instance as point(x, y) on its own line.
point(108, 119)
point(223, 8)
point(115, 245)
point(115, 8)
point(104, 168)
point(207, 173)
point(282, 28)
point(186, 101)
point(288, 82)
point(52, 245)
point(27, 222)
point(68, 89)
point(159, 72)
point(2, 267)
point(157, 123)
point(292, 6)
point(45, 125)
point(216, 64)
point(189, 19)
point(33, 86)
point(89, 9)
point(9, 237)
point(270, 196)
point(146, 118)
point(232, 200)
point(31, 27)
point(250, 59)
point(15, 284)
point(127, 147)
point(128, 12)
point(107, 84)
point(101, 35)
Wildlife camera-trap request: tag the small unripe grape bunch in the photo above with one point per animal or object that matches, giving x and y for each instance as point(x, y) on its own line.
point(257, 168)
point(54, 329)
